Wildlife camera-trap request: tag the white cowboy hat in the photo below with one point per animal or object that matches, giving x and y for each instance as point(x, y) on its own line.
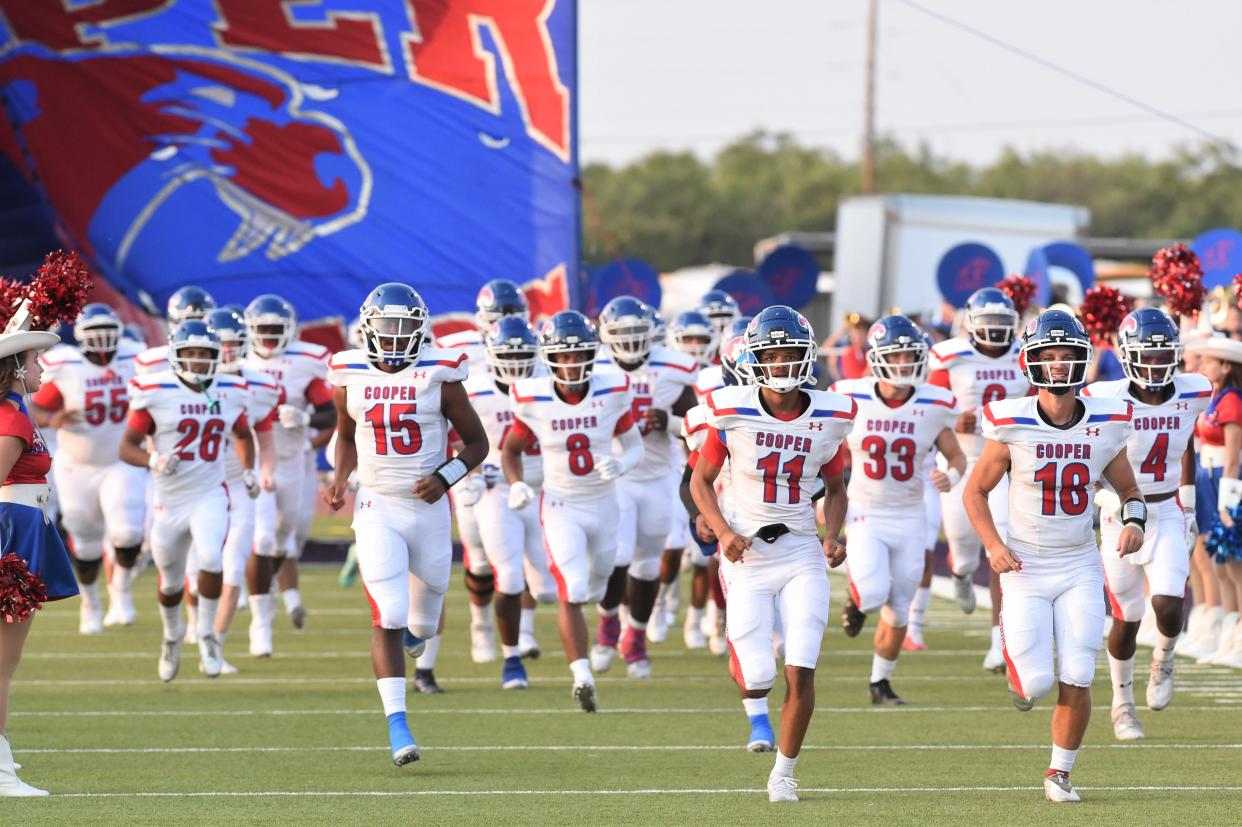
point(1218, 347)
point(13, 343)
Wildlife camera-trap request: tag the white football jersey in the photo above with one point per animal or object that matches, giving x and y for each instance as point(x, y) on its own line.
point(301, 369)
point(773, 464)
point(401, 433)
point(469, 342)
point(658, 384)
point(151, 360)
point(100, 395)
point(709, 379)
point(571, 435)
point(1160, 433)
point(890, 446)
point(1053, 471)
point(976, 380)
point(263, 395)
point(495, 410)
point(193, 424)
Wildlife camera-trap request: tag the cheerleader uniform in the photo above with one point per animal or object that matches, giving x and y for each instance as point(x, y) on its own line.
point(25, 527)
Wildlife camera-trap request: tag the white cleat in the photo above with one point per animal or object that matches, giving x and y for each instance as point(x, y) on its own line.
point(782, 788)
point(120, 609)
point(657, 630)
point(964, 589)
point(227, 668)
point(1160, 685)
point(260, 638)
point(717, 644)
point(694, 637)
point(1058, 789)
point(210, 659)
point(639, 669)
point(483, 643)
point(90, 620)
point(994, 661)
point(170, 659)
point(528, 646)
point(602, 658)
point(1126, 725)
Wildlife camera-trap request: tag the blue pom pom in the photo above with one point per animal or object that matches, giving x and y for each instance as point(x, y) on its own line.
point(1224, 543)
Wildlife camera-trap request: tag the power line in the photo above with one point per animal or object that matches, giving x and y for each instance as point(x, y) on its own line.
point(1061, 70)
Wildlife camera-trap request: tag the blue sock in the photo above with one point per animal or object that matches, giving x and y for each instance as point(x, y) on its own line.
point(761, 726)
point(408, 639)
point(399, 731)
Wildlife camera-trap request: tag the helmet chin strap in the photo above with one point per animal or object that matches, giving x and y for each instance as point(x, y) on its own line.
point(1059, 391)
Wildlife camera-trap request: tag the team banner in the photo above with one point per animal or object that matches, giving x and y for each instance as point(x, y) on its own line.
point(311, 148)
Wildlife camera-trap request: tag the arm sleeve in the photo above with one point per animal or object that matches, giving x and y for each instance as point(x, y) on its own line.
point(265, 424)
point(683, 491)
point(318, 392)
point(939, 378)
point(836, 465)
point(241, 425)
point(521, 430)
point(49, 398)
point(714, 449)
point(141, 421)
point(625, 423)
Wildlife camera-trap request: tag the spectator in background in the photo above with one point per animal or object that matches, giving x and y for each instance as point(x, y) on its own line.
point(1105, 366)
point(845, 351)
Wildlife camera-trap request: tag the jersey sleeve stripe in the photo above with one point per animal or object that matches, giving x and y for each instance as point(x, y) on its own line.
point(1194, 394)
point(820, 413)
point(346, 365)
point(941, 402)
point(521, 398)
point(142, 387)
point(613, 389)
point(683, 368)
point(481, 393)
point(442, 363)
point(1020, 420)
point(1125, 417)
point(735, 411)
point(864, 396)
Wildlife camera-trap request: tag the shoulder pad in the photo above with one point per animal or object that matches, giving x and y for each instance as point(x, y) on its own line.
point(1108, 409)
point(1192, 386)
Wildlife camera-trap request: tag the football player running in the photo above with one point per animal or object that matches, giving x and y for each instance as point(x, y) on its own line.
point(721, 309)
point(1161, 451)
point(395, 402)
point(186, 304)
point(778, 438)
point(282, 521)
point(84, 397)
point(900, 421)
point(575, 414)
point(661, 381)
point(1055, 448)
point(186, 412)
point(978, 368)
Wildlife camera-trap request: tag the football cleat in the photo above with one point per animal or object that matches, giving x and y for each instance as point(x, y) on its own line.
point(513, 675)
point(602, 658)
point(762, 738)
point(638, 669)
point(349, 570)
point(964, 589)
point(90, 620)
point(1021, 702)
point(210, 660)
point(852, 619)
point(297, 615)
point(528, 646)
point(994, 661)
point(170, 659)
point(718, 644)
point(404, 750)
point(1160, 685)
point(693, 636)
point(227, 668)
point(1058, 789)
point(120, 608)
point(657, 629)
point(1126, 725)
point(482, 642)
point(913, 642)
point(882, 694)
point(413, 646)
point(425, 682)
point(782, 788)
point(584, 696)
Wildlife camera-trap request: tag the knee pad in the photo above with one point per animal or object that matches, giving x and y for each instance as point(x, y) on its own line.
point(544, 598)
point(127, 556)
point(480, 585)
point(1037, 685)
point(645, 568)
point(511, 582)
point(424, 628)
point(897, 618)
point(1078, 669)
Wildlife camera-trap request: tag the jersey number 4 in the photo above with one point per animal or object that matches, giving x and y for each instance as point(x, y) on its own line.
point(394, 427)
point(1157, 461)
point(771, 467)
point(1072, 495)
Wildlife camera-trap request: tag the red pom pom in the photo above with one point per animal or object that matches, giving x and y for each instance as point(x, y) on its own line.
point(1177, 275)
point(1102, 310)
point(22, 592)
point(59, 290)
point(1237, 290)
point(1020, 289)
point(12, 292)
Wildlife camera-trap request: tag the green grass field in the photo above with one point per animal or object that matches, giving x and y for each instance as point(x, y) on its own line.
point(301, 737)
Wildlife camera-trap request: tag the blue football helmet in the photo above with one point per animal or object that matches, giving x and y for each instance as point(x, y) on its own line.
point(568, 332)
point(889, 337)
point(497, 299)
point(1055, 328)
point(98, 330)
point(511, 349)
point(135, 334)
point(659, 328)
point(626, 326)
point(272, 324)
point(188, 336)
point(696, 336)
point(780, 327)
point(230, 329)
point(721, 308)
point(189, 302)
point(394, 323)
point(736, 362)
point(1149, 347)
point(991, 319)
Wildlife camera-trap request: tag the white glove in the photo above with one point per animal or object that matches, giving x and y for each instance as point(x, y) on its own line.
point(1228, 499)
point(292, 416)
point(520, 496)
point(164, 465)
point(1108, 502)
point(609, 467)
point(470, 490)
point(1186, 496)
point(251, 481)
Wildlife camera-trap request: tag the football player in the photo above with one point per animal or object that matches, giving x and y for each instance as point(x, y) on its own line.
point(395, 402)
point(187, 412)
point(85, 398)
point(978, 368)
point(189, 303)
point(778, 437)
point(281, 520)
point(721, 309)
point(661, 381)
point(900, 421)
point(1054, 447)
point(575, 414)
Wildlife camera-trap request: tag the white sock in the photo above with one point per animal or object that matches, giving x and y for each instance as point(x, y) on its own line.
point(527, 624)
point(90, 594)
point(261, 608)
point(784, 766)
point(392, 694)
point(121, 579)
point(638, 626)
point(918, 607)
point(171, 615)
point(1123, 680)
point(694, 617)
point(480, 616)
point(427, 660)
point(608, 612)
point(755, 706)
point(510, 651)
point(292, 598)
point(881, 668)
point(207, 608)
point(582, 671)
point(996, 637)
point(1163, 652)
point(1062, 759)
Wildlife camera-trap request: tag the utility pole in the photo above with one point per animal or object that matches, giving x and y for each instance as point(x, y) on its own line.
point(868, 147)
